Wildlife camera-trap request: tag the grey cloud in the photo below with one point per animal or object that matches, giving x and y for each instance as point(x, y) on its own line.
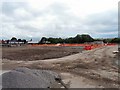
point(104, 18)
point(64, 25)
point(27, 27)
point(109, 35)
point(9, 7)
point(108, 29)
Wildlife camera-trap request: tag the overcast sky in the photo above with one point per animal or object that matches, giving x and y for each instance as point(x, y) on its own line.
point(59, 18)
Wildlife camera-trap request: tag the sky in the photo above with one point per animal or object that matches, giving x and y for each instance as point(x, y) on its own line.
point(58, 18)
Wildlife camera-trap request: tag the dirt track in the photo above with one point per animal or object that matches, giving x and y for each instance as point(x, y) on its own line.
point(95, 68)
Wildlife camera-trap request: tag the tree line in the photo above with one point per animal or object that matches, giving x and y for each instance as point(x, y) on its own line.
point(77, 39)
point(112, 40)
point(71, 40)
point(14, 39)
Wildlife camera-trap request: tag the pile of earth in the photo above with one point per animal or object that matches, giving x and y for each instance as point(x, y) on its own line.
point(27, 78)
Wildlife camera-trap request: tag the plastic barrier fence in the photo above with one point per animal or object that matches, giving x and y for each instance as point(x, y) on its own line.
point(86, 46)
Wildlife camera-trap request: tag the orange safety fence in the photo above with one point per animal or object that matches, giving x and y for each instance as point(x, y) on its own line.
point(111, 44)
point(85, 46)
point(90, 47)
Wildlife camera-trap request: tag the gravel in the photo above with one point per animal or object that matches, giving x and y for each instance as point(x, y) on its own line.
point(27, 78)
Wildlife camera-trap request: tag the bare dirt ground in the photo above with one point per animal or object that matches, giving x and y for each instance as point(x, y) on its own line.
point(31, 53)
point(89, 69)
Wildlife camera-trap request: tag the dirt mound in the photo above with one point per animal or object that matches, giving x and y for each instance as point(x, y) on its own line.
point(27, 78)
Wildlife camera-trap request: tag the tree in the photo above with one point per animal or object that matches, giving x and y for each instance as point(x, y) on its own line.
point(115, 40)
point(78, 39)
point(69, 40)
point(83, 38)
point(19, 40)
point(14, 39)
point(87, 38)
point(7, 41)
point(24, 41)
point(43, 40)
point(108, 40)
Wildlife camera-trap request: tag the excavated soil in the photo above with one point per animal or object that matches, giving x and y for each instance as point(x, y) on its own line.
point(90, 69)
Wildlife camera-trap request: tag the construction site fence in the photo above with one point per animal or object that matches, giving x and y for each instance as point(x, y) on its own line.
point(85, 46)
